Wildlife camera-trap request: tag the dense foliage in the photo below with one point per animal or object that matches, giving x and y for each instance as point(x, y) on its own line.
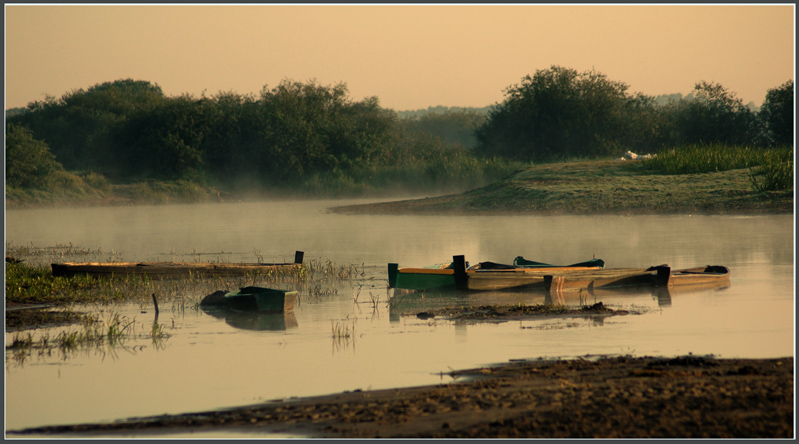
point(560, 113)
point(29, 162)
point(295, 134)
point(777, 115)
point(315, 138)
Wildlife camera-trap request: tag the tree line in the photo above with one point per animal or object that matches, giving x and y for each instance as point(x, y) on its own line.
point(303, 132)
point(559, 112)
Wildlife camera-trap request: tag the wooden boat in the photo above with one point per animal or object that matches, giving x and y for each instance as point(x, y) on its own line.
point(251, 299)
point(710, 274)
point(480, 277)
point(171, 270)
point(488, 276)
point(576, 280)
point(658, 276)
point(434, 277)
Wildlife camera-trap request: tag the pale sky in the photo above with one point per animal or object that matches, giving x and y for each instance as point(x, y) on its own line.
point(409, 56)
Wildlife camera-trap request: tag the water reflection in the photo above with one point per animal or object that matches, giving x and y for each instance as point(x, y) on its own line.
point(404, 301)
point(255, 320)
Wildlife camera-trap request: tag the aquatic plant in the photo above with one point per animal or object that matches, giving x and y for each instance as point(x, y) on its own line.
point(103, 331)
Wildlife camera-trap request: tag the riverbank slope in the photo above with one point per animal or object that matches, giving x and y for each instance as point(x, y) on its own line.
point(598, 187)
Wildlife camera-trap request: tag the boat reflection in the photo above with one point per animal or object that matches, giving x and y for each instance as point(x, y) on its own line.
point(619, 295)
point(412, 302)
point(256, 321)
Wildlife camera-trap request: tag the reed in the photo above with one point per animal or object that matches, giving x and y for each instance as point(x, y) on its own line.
point(697, 159)
point(343, 330)
point(100, 330)
point(775, 172)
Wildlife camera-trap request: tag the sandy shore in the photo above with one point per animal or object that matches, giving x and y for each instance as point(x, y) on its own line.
point(621, 397)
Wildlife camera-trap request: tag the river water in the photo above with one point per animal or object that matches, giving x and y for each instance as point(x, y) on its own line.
point(209, 362)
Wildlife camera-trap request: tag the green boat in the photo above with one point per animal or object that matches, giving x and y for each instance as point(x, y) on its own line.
point(483, 276)
point(252, 299)
point(434, 276)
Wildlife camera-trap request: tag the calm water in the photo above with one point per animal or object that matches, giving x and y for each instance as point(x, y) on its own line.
point(211, 362)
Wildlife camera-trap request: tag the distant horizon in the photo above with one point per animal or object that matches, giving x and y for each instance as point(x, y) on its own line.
point(408, 56)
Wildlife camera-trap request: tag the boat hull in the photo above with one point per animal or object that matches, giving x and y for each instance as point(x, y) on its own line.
point(606, 278)
point(485, 276)
point(492, 280)
point(658, 276)
point(171, 270)
point(708, 275)
point(423, 278)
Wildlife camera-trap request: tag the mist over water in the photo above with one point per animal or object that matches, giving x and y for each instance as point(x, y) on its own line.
point(209, 362)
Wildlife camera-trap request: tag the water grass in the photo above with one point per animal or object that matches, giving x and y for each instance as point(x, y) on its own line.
point(343, 333)
point(102, 331)
point(31, 281)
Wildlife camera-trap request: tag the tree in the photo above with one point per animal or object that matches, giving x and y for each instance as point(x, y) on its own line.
point(455, 127)
point(558, 113)
point(79, 125)
point(714, 115)
point(29, 162)
point(777, 115)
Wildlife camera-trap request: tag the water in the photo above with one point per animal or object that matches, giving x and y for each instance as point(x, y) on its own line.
point(209, 363)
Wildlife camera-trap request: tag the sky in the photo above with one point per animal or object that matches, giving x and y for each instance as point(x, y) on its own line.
point(409, 56)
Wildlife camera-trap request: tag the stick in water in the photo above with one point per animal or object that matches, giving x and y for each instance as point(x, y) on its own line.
point(155, 302)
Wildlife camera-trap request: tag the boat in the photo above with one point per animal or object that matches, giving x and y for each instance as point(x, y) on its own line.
point(576, 280)
point(480, 277)
point(439, 276)
point(707, 275)
point(657, 276)
point(251, 299)
point(171, 270)
point(489, 276)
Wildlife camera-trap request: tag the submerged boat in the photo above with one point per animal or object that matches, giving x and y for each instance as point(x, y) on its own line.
point(251, 299)
point(171, 270)
point(482, 276)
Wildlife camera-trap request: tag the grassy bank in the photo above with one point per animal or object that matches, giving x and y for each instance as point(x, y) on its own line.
point(604, 187)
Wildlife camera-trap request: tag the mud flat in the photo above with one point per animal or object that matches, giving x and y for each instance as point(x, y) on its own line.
point(619, 397)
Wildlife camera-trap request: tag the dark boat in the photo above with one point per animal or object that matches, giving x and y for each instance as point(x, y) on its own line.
point(171, 270)
point(251, 299)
